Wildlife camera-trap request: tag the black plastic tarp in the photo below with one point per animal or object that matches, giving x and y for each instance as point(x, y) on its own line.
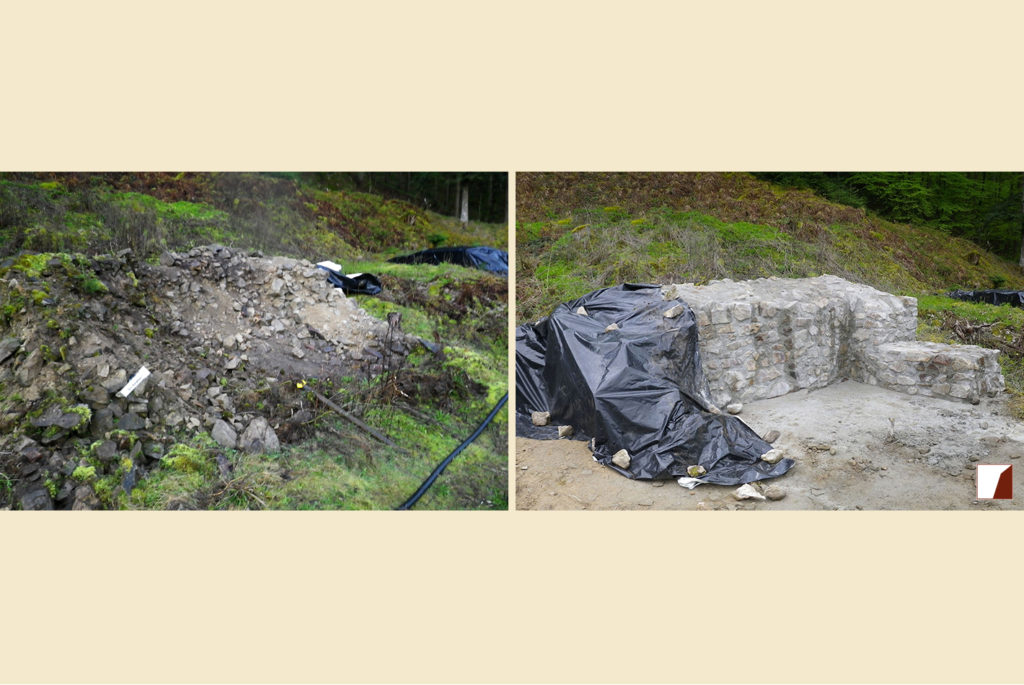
point(638, 388)
point(352, 284)
point(486, 258)
point(1011, 297)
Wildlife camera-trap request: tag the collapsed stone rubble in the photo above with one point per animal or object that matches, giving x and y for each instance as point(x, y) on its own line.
point(213, 325)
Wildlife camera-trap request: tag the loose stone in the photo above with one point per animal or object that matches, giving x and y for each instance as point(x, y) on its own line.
point(621, 459)
point(747, 491)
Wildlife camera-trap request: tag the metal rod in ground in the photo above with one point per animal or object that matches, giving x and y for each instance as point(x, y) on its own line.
point(447, 460)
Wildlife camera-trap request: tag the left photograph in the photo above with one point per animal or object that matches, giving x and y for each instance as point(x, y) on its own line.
point(245, 341)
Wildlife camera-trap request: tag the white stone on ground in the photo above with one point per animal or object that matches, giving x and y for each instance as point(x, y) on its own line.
point(747, 491)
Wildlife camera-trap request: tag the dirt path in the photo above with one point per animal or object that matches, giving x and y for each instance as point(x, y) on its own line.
point(856, 447)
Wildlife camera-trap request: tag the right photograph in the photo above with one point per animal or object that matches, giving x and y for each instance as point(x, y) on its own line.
point(769, 340)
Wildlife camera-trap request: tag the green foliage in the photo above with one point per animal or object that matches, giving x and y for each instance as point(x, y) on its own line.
point(277, 213)
point(781, 233)
point(414, 320)
point(121, 435)
point(32, 265)
point(666, 246)
point(6, 489)
point(474, 366)
point(83, 411)
point(977, 312)
point(435, 191)
point(188, 459)
point(344, 473)
point(371, 221)
point(91, 285)
point(982, 206)
point(84, 473)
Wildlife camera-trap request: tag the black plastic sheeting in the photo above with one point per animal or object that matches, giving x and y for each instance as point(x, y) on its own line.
point(486, 258)
point(640, 388)
point(1011, 297)
point(354, 284)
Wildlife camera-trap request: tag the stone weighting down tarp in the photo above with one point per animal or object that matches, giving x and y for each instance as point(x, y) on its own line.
point(639, 387)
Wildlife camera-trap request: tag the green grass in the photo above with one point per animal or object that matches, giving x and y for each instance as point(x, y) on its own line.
point(936, 314)
point(560, 260)
point(977, 312)
point(180, 212)
point(662, 246)
point(414, 320)
point(273, 213)
point(697, 227)
point(349, 472)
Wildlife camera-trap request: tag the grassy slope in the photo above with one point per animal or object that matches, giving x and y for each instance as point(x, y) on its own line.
point(95, 213)
point(465, 309)
point(579, 232)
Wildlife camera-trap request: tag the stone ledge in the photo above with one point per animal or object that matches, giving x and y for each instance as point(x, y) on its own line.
point(963, 372)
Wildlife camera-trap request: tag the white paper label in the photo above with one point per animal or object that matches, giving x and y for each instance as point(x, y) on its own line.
point(141, 375)
point(332, 266)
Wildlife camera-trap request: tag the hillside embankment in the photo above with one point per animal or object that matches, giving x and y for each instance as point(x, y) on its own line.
point(242, 346)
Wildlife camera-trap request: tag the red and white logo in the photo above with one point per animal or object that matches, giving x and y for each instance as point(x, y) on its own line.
point(995, 481)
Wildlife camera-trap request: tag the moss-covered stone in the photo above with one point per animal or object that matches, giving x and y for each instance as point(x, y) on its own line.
point(84, 474)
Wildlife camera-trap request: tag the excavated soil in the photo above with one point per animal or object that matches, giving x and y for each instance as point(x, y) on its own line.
point(856, 446)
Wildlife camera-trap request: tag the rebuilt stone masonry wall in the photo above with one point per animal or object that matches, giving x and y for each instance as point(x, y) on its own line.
point(770, 336)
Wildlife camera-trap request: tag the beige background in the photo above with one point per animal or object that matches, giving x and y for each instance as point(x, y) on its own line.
point(519, 596)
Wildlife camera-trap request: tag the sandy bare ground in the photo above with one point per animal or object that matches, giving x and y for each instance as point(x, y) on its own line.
point(856, 447)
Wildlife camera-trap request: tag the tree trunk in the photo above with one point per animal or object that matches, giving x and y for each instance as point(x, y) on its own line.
point(490, 199)
point(1022, 222)
point(464, 217)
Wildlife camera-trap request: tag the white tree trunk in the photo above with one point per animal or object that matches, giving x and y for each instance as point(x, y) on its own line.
point(1022, 231)
point(464, 215)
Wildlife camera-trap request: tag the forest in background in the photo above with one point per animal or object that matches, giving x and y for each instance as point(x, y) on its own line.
point(482, 195)
point(985, 207)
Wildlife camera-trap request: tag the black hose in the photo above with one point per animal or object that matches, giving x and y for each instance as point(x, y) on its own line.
point(408, 504)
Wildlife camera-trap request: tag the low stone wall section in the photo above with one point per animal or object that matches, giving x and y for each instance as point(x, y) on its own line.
point(964, 372)
point(771, 336)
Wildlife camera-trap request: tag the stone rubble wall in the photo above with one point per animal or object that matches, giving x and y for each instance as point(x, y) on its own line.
point(771, 336)
point(964, 372)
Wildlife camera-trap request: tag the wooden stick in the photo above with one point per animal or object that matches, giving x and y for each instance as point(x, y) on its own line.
point(359, 424)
